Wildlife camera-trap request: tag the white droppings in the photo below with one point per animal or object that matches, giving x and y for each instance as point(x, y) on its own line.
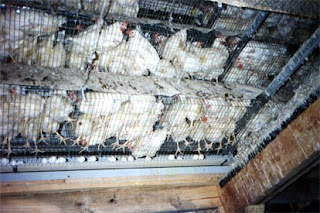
point(171, 157)
point(13, 162)
point(131, 158)
point(148, 158)
point(195, 157)
point(20, 162)
point(81, 159)
point(61, 160)
point(92, 159)
point(179, 158)
point(201, 157)
point(52, 159)
point(4, 161)
point(112, 159)
point(123, 159)
point(44, 160)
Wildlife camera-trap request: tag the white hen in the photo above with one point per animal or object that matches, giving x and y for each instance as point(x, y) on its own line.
point(98, 103)
point(125, 7)
point(22, 24)
point(82, 44)
point(174, 43)
point(144, 56)
point(58, 108)
point(150, 143)
point(165, 69)
point(26, 106)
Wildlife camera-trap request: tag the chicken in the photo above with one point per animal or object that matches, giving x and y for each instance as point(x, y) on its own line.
point(150, 143)
point(159, 40)
point(89, 131)
point(212, 60)
point(135, 57)
point(125, 7)
point(116, 61)
point(58, 108)
point(26, 106)
point(198, 133)
point(13, 30)
point(8, 90)
point(174, 43)
point(143, 54)
point(135, 119)
point(186, 62)
point(186, 108)
point(98, 103)
point(256, 58)
point(30, 129)
point(50, 55)
point(165, 69)
point(82, 44)
point(180, 132)
point(7, 120)
point(20, 116)
point(84, 125)
point(43, 53)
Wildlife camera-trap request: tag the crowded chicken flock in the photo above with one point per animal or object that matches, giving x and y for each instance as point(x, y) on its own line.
point(140, 123)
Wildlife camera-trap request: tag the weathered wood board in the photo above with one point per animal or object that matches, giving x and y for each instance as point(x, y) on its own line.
point(295, 144)
point(65, 185)
point(129, 199)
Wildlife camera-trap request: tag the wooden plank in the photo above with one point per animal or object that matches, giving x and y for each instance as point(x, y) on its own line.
point(255, 208)
point(295, 144)
point(129, 199)
point(73, 79)
point(98, 183)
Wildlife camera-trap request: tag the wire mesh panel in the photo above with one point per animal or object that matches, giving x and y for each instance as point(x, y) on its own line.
point(44, 122)
point(286, 29)
point(258, 63)
point(235, 20)
point(198, 125)
point(21, 28)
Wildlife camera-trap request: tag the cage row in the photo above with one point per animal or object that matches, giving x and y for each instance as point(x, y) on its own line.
point(140, 123)
point(140, 51)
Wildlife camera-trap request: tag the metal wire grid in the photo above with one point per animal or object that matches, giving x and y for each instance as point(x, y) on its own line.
point(39, 37)
point(44, 122)
point(286, 29)
point(234, 20)
point(258, 64)
point(309, 8)
point(196, 13)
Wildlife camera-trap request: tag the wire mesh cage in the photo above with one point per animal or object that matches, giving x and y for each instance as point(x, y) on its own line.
point(39, 121)
point(171, 40)
point(258, 63)
point(73, 39)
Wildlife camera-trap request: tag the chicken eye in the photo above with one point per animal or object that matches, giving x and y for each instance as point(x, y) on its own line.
point(80, 123)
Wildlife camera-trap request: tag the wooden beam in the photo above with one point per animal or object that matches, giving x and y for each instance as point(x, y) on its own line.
point(65, 185)
point(73, 79)
point(297, 143)
point(129, 199)
point(255, 208)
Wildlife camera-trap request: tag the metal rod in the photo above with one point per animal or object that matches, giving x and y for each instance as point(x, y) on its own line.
point(256, 24)
point(257, 104)
point(31, 176)
point(214, 17)
point(293, 64)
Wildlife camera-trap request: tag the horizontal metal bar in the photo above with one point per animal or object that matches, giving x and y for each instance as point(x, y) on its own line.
point(32, 176)
point(293, 64)
point(103, 163)
point(254, 27)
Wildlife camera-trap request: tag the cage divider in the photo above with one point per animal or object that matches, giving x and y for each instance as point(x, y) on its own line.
point(256, 24)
